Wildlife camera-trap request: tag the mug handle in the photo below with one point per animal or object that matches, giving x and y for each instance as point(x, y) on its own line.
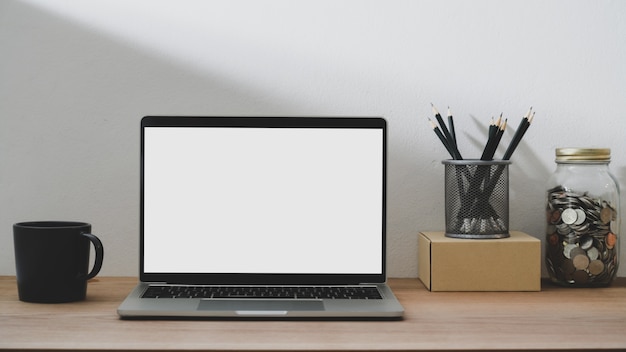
point(97, 265)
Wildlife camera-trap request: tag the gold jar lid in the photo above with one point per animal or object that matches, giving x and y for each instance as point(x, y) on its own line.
point(583, 155)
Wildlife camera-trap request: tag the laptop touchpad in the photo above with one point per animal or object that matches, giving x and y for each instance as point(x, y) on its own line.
point(260, 305)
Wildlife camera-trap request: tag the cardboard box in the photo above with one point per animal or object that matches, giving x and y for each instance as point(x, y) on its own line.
point(452, 264)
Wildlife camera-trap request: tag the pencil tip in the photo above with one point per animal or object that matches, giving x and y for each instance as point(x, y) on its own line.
point(528, 113)
point(435, 111)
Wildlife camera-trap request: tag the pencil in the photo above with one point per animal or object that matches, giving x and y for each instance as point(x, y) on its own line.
point(493, 130)
point(441, 137)
point(521, 130)
point(450, 141)
point(499, 135)
point(494, 140)
point(451, 123)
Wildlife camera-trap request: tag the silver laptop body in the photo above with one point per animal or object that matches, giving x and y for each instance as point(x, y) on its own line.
point(253, 205)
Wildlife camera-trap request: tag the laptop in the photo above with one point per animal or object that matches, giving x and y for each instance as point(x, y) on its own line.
point(270, 217)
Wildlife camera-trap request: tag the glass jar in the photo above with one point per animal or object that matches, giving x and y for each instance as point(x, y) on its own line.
point(582, 211)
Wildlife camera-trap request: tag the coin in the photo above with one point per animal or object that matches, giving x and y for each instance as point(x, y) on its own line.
point(611, 239)
point(581, 245)
point(580, 261)
point(577, 251)
point(553, 239)
point(587, 203)
point(581, 228)
point(593, 253)
point(596, 267)
point(567, 250)
point(555, 216)
point(563, 229)
point(606, 214)
point(586, 242)
point(580, 216)
point(569, 216)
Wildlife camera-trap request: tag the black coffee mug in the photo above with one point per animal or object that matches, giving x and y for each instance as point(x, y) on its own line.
point(52, 260)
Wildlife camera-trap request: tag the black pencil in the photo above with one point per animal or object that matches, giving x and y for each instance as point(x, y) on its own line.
point(499, 135)
point(451, 123)
point(493, 127)
point(494, 140)
point(441, 137)
point(521, 130)
point(450, 141)
point(493, 130)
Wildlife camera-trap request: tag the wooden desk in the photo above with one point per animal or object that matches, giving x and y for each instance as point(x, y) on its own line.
point(555, 318)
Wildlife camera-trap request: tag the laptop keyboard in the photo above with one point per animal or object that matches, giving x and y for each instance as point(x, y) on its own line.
point(286, 292)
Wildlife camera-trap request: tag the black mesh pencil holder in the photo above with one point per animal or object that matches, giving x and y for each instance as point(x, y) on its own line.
point(477, 198)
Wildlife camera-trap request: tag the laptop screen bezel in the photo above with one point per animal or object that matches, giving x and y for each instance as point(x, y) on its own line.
point(265, 122)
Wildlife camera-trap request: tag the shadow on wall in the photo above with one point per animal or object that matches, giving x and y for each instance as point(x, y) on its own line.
point(71, 100)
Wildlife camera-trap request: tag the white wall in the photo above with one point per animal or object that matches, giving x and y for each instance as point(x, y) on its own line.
point(76, 77)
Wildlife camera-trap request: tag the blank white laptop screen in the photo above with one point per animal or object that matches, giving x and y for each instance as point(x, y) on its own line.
point(263, 200)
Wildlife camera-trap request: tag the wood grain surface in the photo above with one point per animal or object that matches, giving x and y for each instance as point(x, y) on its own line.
point(554, 319)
